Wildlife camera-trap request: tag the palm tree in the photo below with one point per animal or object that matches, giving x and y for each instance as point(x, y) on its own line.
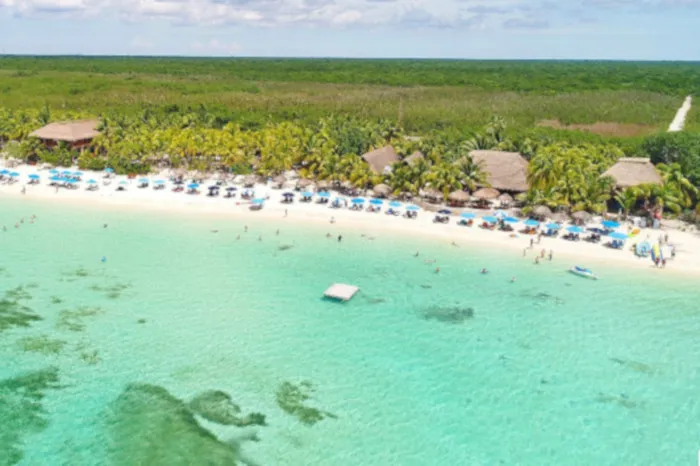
point(676, 181)
point(627, 199)
point(470, 174)
point(444, 178)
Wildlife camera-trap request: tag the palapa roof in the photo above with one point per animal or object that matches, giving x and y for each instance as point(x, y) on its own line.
point(505, 171)
point(380, 159)
point(486, 194)
point(70, 131)
point(414, 158)
point(633, 171)
point(459, 196)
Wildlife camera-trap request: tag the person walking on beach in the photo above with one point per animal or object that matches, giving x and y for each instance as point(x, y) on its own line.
point(532, 243)
point(551, 255)
point(245, 229)
point(24, 189)
point(524, 252)
point(285, 212)
point(340, 238)
point(277, 233)
point(542, 253)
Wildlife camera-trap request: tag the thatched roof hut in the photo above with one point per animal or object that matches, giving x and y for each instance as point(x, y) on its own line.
point(582, 215)
point(304, 183)
point(542, 211)
point(459, 197)
point(632, 171)
point(382, 190)
point(249, 181)
point(414, 158)
point(486, 194)
point(380, 160)
point(505, 171)
point(432, 193)
point(279, 181)
point(70, 131)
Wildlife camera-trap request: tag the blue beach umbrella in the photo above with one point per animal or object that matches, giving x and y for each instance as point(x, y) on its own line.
point(575, 229)
point(323, 194)
point(123, 182)
point(53, 171)
point(531, 223)
point(500, 214)
point(91, 182)
point(66, 172)
point(358, 200)
point(489, 219)
point(258, 201)
point(14, 174)
point(109, 170)
point(193, 186)
point(34, 177)
point(70, 181)
point(468, 215)
point(610, 224)
point(553, 226)
point(511, 220)
point(159, 181)
point(413, 208)
point(143, 180)
point(618, 235)
point(77, 173)
point(376, 202)
point(56, 178)
point(307, 194)
point(444, 212)
point(394, 204)
point(7, 172)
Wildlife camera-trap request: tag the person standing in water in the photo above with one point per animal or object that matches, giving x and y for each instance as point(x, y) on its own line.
point(340, 238)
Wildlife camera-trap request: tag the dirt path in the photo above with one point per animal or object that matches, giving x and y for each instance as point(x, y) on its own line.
point(679, 120)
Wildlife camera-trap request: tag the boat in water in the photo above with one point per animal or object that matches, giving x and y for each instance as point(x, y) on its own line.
point(583, 272)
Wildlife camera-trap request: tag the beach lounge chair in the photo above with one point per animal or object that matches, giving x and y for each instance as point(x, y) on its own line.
point(466, 222)
point(440, 218)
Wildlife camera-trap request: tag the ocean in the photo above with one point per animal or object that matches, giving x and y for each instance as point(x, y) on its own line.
point(167, 339)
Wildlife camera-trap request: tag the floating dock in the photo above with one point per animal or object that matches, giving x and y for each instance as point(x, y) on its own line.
point(341, 291)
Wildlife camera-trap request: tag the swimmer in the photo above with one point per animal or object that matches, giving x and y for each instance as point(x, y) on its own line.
point(437, 269)
point(537, 260)
point(104, 226)
point(328, 235)
point(542, 253)
point(16, 225)
point(551, 254)
point(416, 254)
point(215, 231)
point(512, 279)
point(455, 244)
point(4, 228)
point(332, 219)
point(245, 229)
point(340, 238)
point(238, 237)
point(429, 261)
point(260, 238)
point(484, 271)
point(104, 259)
point(277, 233)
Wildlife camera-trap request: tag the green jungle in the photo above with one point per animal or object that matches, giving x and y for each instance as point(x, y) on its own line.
point(571, 119)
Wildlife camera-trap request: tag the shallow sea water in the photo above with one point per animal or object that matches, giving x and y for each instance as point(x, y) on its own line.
point(420, 368)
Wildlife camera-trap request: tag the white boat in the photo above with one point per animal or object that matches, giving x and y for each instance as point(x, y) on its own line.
point(583, 272)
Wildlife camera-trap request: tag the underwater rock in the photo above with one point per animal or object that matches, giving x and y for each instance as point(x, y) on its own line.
point(17, 294)
point(449, 315)
point(56, 300)
point(285, 247)
point(79, 272)
point(427, 287)
point(90, 357)
point(14, 314)
point(542, 297)
point(41, 344)
point(72, 319)
point(21, 410)
point(217, 406)
point(141, 321)
point(149, 426)
point(376, 300)
point(621, 400)
point(111, 292)
point(291, 398)
point(634, 365)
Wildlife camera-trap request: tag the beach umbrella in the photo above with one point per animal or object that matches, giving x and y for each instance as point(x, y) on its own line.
point(413, 208)
point(323, 194)
point(511, 220)
point(143, 180)
point(77, 173)
point(552, 226)
point(542, 211)
point(258, 201)
point(339, 199)
point(53, 171)
point(193, 186)
point(376, 202)
point(618, 235)
point(159, 182)
point(231, 189)
point(56, 178)
point(394, 204)
point(575, 229)
point(213, 186)
point(486, 194)
point(468, 215)
point(445, 212)
point(109, 170)
point(358, 200)
point(123, 182)
point(500, 214)
point(489, 219)
point(307, 194)
point(66, 172)
point(7, 172)
point(14, 174)
point(610, 224)
point(71, 181)
point(288, 194)
point(531, 223)
point(34, 177)
point(91, 182)
point(581, 215)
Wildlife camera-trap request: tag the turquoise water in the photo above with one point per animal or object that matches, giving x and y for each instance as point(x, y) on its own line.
point(419, 369)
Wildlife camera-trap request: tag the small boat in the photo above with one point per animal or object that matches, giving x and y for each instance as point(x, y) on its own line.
point(583, 272)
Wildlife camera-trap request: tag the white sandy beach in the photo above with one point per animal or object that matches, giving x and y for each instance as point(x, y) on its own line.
point(596, 256)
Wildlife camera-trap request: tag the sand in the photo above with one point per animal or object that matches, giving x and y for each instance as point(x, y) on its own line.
point(596, 256)
point(679, 120)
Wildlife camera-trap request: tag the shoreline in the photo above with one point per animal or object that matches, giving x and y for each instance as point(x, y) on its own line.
point(687, 260)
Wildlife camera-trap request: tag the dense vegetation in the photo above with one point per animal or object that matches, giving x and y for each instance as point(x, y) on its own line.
point(266, 116)
point(419, 94)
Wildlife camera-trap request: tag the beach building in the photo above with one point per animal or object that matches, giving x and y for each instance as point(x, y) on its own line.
point(380, 160)
point(78, 134)
point(505, 171)
point(414, 158)
point(632, 171)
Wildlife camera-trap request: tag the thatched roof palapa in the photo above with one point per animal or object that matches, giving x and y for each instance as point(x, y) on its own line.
point(459, 196)
point(632, 171)
point(249, 181)
point(303, 183)
point(542, 211)
point(382, 190)
point(505, 171)
point(71, 131)
point(381, 159)
point(486, 194)
point(582, 215)
point(414, 158)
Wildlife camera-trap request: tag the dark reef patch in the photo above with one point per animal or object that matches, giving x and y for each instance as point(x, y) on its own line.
point(41, 344)
point(448, 314)
point(72, 319)
point(291, 399)
point(217, 406)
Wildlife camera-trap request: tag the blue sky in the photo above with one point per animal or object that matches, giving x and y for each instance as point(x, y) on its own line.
point(579, 29)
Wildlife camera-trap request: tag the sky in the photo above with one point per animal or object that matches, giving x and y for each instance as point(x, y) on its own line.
point(478, 29)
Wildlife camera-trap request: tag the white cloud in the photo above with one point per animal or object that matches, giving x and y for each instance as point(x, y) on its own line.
point(139, 42)
point(331, 13)
point(216, 47)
